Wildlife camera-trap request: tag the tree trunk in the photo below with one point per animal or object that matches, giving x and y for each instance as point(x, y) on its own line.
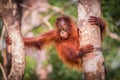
point(93, 63)
point(11, 15)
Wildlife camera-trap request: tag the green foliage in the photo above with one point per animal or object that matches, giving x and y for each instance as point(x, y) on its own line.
point(39, 30)
point(61, 71)
point(52, 20)
point(111, 12)
point(1, 61)
point(58, 3)
point(72, 10)
point(30, 68)
point(1, 25)
point(111, 8)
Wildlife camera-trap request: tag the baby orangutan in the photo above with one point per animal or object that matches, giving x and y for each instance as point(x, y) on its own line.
point(66, 40)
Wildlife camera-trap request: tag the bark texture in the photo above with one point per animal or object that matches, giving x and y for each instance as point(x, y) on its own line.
point(93, 63)
point(11, 15)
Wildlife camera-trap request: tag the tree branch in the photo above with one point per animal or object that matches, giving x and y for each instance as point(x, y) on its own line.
point(3, 71)
point(114, 36)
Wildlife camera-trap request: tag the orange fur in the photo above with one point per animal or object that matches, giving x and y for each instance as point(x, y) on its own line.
point(68, 50)
point(66, 40)
point(42, 40)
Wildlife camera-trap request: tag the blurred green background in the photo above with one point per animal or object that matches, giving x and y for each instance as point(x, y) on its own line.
point(111, 46)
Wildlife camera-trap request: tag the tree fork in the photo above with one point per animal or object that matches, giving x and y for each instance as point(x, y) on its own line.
point(11, 15)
